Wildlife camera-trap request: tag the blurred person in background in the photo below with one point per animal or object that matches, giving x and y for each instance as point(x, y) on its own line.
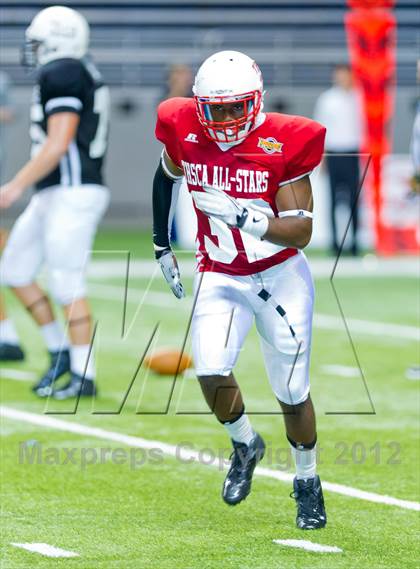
point(339, 111)
point(69, 132)
point(413, 372)
point(10, 349)
point(415, 143)
point(179, 81)
point(7, 115)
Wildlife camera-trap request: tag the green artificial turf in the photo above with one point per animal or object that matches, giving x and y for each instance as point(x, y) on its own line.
point(167, 514)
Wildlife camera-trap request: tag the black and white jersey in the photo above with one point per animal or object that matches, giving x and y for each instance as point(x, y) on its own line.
point(72, 85)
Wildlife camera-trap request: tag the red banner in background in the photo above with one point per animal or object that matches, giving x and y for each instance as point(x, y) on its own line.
point(371, 36)
point(371, 3)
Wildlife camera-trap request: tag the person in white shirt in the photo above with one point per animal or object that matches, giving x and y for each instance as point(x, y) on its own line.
point(338, 110)
point(413, 372)
point(415, 143)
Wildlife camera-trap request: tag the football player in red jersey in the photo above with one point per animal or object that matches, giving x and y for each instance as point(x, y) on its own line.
point(248, 173)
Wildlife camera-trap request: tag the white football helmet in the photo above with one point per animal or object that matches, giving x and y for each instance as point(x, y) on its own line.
point(55, 33)
point(228, 77)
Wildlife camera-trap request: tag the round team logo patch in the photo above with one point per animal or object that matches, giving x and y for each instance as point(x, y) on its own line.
point(270, 145)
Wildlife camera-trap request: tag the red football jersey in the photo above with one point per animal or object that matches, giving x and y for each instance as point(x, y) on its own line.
point(281, 149)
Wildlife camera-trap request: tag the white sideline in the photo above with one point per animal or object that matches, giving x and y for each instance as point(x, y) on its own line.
point(324, 321)
point(186, 454)
point(45, 549)
point(308, 545)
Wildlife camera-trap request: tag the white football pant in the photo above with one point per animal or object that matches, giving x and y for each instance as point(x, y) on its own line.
point(57, 227)
point(225, 310)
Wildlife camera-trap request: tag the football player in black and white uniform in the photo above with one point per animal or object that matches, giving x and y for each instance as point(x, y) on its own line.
point(69, 128)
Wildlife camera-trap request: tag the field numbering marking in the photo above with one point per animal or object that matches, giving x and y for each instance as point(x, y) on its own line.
point(308, 545)
point(45, 549)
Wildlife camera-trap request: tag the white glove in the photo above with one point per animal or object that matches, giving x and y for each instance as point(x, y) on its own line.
point(215, 203)
point(170, 270)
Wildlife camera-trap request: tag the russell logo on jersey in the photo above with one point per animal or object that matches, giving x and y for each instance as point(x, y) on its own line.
point(192, 137)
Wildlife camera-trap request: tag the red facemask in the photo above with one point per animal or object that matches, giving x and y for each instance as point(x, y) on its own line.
point(230, 130)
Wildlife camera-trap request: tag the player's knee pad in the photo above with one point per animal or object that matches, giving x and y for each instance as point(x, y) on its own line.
point(210, 353)
point(216, 345)
point(289, 378)
point(13, 274)
point(212, 359)
point(67, 285)
point(211, 370)
point(292, 397)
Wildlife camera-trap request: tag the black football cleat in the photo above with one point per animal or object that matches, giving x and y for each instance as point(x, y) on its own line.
point(59, 365)
point(78, 386)
point(244, 459)
point(11, 353)
point(310, 503)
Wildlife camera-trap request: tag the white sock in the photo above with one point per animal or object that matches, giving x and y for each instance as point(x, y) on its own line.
point(79, 361)
point(54, 336)
point(240, 430)
point(305, 461)
point(8, 334)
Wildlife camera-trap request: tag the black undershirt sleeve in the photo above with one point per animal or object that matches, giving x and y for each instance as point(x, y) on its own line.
point(162, 200)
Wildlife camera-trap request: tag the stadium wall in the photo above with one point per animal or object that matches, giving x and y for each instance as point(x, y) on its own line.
point(133, 151)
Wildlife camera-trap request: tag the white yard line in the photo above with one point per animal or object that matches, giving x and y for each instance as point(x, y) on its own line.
point(368, 266)
point(138, 296)
point(191, 455)
point(18, 374)
point(45, 549)
point(343, 371)
point(356, 326)
point(322, 321)
point(308, 545)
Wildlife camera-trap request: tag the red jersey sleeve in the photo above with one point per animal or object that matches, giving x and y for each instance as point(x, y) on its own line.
point(166, 130)
point(305, 149)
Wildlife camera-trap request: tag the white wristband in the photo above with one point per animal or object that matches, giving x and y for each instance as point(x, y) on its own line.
point(296, 213)
point(256, 223)
point(166, 169)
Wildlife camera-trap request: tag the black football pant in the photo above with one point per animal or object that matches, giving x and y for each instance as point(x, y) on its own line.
point(343, 171)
